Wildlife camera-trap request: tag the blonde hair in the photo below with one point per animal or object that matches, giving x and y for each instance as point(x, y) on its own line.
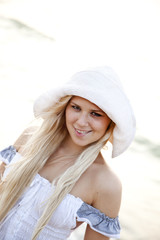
point(39, 148)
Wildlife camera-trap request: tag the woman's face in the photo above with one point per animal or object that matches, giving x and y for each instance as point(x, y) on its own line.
point(86, 123)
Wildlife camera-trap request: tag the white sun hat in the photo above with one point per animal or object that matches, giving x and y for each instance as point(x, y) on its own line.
point(102, 87)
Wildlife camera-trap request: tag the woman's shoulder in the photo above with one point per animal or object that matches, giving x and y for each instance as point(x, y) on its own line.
point(24, 137)
point(108, 190)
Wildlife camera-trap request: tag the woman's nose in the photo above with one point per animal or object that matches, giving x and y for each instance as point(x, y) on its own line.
point(82, 119)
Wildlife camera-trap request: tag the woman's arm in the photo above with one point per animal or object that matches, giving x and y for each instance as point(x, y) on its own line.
point(19, 143)
point(107, 199)
point(92, 235)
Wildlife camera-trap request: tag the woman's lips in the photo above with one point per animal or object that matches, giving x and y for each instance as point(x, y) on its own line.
point(81, 132)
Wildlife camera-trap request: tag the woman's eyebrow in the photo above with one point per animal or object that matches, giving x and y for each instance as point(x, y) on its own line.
point(97, 110)
point(74, 103)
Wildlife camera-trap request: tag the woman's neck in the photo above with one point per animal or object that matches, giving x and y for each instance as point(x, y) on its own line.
point(69, 147)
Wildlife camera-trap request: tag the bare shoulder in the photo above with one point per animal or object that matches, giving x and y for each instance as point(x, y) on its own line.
point(24, 137)
point(2, 168)
point(108, 191)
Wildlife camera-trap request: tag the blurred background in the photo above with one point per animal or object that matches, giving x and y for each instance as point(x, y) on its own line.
point(43, 42)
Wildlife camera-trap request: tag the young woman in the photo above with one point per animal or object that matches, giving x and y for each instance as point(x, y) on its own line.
point(56, 177)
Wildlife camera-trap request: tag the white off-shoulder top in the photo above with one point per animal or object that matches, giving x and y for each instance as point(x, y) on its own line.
point(22, 218)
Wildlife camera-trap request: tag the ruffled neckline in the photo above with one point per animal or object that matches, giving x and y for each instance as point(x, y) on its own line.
point(47, 182)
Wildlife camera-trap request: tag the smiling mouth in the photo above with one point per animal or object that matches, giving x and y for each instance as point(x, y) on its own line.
point(82, 132)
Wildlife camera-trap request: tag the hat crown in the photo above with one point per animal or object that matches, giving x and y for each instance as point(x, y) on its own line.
point(99, 77)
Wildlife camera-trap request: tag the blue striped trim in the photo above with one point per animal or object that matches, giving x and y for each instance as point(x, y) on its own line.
point(8, 154)
point(98, 221)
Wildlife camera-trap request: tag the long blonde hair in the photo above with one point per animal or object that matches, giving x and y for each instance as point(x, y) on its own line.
point(39, 148)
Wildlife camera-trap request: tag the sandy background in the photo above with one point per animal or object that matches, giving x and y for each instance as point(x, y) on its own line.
point(43, 42)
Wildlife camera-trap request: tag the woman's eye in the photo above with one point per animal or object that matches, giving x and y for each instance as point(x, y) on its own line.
point(75, 107)
point(96, 114)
